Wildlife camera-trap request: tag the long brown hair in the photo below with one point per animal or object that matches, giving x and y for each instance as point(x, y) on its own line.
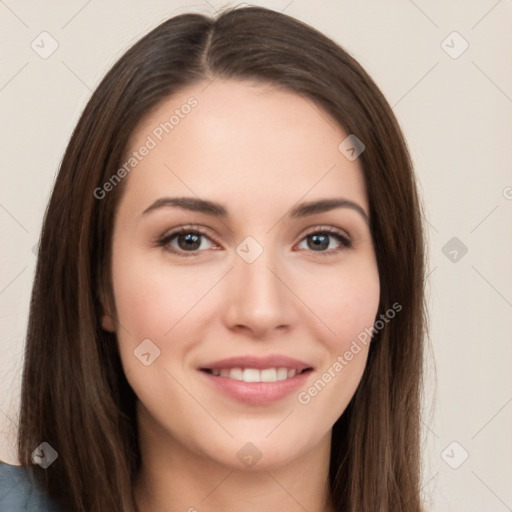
point(74, 393)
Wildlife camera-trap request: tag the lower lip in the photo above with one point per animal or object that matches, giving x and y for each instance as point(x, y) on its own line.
point(257, 392)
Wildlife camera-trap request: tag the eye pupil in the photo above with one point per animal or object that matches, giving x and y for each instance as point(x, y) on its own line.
point(319, 241)
point(192, 241)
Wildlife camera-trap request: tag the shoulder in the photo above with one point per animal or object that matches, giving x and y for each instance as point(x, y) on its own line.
point(20, 493)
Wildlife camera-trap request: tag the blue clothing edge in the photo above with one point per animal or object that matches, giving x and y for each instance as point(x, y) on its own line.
point(19, 492)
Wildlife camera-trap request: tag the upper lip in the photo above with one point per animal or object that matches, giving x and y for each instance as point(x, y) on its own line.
point(260, 363)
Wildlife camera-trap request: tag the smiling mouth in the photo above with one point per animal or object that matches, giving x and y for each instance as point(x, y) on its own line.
point(256, 375)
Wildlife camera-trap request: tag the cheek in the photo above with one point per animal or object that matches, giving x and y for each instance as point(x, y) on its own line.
point(152, 298)
point(348, 304)
point(154, 302)
point(345, 300)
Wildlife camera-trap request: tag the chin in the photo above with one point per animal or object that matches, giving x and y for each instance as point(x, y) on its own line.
point(259, 452)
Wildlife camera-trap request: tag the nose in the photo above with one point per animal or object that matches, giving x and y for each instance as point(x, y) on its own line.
point(258, 299)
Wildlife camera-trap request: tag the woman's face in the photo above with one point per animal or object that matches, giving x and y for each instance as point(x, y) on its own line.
point(255, 278)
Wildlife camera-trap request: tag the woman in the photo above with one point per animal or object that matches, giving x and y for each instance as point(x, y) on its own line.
point(228, 303)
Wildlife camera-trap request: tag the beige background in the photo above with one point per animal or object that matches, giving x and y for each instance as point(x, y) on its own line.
point(456, 114)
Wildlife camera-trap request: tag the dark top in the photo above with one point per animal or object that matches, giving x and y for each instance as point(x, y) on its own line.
point(21, 493)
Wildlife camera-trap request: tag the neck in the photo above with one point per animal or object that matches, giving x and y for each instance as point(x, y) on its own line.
point(176, 479)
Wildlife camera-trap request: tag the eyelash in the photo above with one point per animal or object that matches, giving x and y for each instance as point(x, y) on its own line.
point(344, 241)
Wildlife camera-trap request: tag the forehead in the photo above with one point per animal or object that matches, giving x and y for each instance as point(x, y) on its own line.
point(241, 142)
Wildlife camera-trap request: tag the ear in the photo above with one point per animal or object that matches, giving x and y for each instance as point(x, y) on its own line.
point(108, 323)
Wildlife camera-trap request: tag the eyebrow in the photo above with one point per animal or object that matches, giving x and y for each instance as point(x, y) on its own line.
point(218, 210)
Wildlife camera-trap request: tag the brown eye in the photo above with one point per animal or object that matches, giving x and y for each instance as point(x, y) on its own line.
point(185, 241)
point(321, 241)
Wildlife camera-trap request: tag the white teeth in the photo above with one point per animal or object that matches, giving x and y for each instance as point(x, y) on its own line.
point(256, 375)
point(282, 374)
point(236, 373)
point(268, 375)
point(251, 375)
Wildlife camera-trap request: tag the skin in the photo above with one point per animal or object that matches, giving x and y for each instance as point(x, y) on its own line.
point(258, 151)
